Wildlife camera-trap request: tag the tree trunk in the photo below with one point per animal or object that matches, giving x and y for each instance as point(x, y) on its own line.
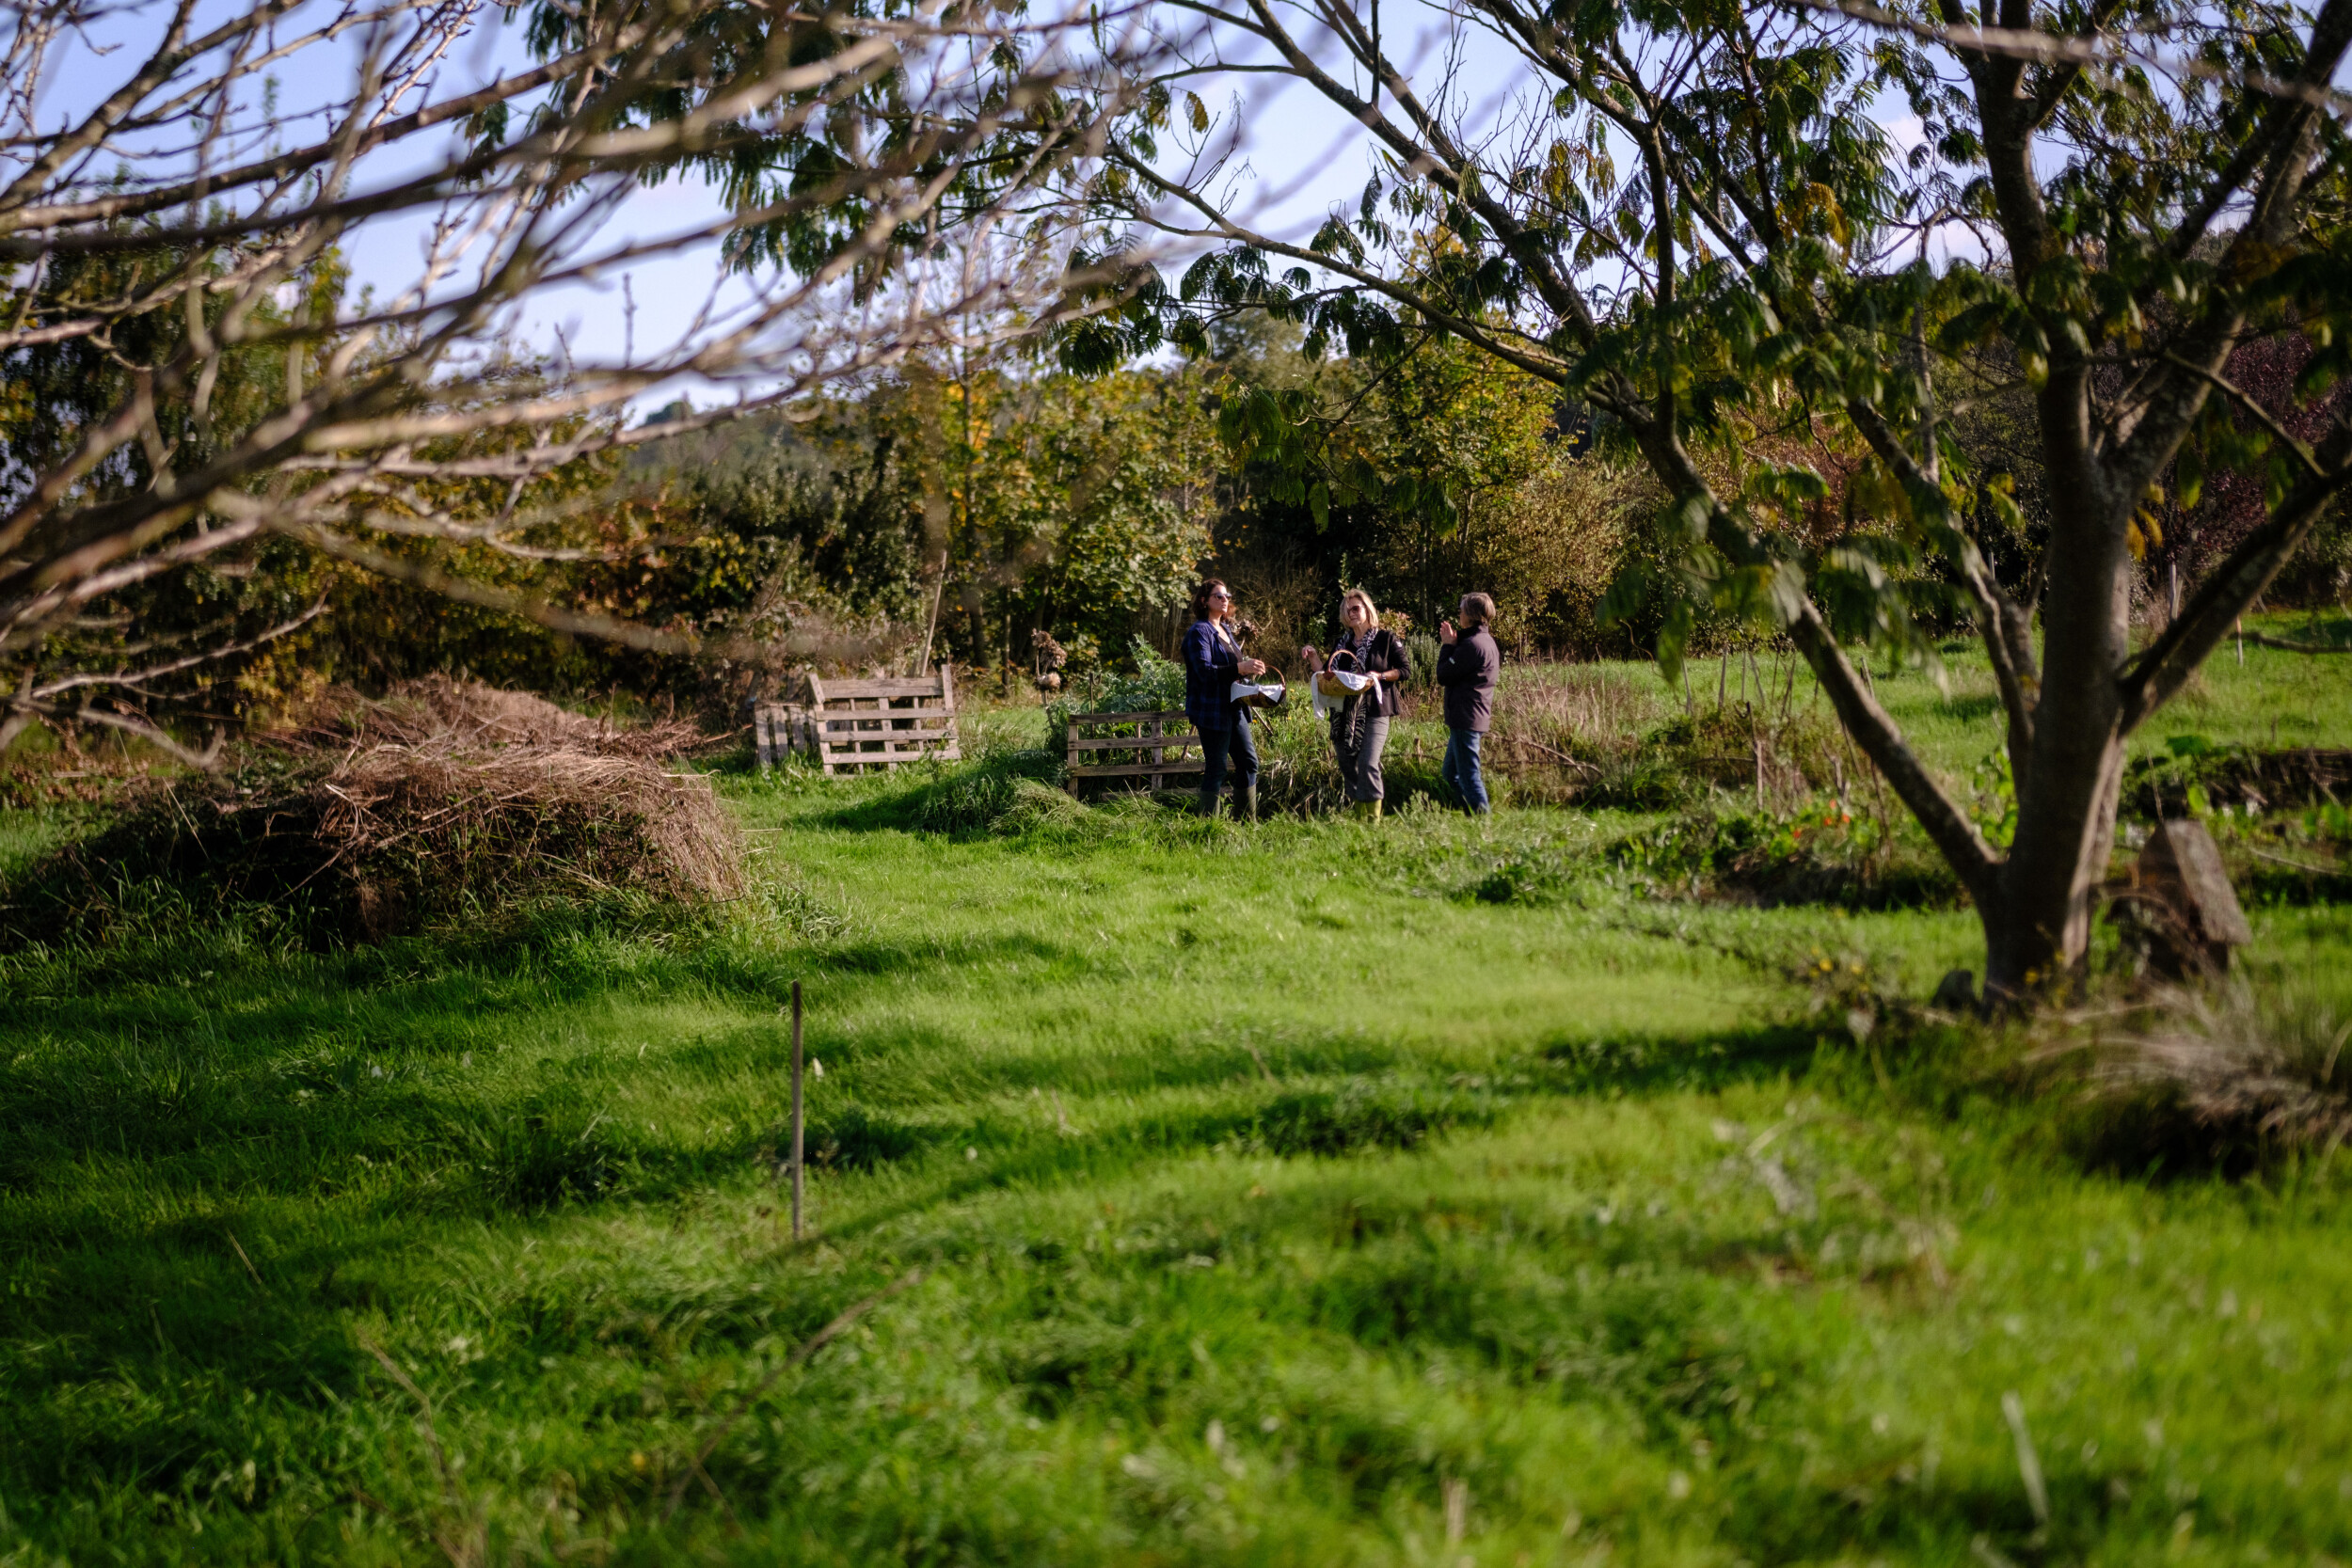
point(2039, 933)
point(2037, 930)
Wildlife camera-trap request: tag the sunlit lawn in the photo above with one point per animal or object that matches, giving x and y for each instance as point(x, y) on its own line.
point(1249, 1195)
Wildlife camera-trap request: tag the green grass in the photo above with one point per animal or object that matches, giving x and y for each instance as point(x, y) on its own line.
point(1266, 1191)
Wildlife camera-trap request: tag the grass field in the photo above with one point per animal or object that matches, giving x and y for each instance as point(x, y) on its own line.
point(1202, 1193)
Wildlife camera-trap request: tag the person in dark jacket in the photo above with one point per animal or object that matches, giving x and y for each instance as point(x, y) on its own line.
point(1359, 726)
point(1213, 662)
point(1468, 663)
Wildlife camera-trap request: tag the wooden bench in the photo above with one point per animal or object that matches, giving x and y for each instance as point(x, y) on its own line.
point(852, 726)
point(1161, 744)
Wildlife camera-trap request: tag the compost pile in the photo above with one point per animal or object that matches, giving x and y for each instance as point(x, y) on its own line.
point(441, 711)
point(375, 817)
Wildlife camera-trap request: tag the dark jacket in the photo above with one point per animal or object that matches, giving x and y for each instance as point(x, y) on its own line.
point(1466, 667)
point(1385, 652)
point(1212, 665)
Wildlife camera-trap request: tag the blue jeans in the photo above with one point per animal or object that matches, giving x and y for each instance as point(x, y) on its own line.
point(1216, 746)
point(1461, 768)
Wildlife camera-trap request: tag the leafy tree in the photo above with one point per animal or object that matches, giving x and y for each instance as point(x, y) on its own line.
point(1693, 217)
point(1074, 505)
point(1418, 477)
point(1119, 506)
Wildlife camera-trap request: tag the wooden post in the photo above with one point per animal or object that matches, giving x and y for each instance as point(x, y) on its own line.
point(798, 1147)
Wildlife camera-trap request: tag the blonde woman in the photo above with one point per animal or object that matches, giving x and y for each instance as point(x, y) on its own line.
point(1359, 726)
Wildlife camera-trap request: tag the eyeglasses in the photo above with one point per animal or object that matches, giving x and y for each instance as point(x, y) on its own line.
point(1221, 594)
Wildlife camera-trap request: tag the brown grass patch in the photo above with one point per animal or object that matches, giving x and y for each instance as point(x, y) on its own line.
point(1570, 733)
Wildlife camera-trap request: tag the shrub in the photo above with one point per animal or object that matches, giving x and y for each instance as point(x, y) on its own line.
point(2218, 1078)
point(2194, 775)
point(1156, 686)
point(987, 793)
point(1420, 653)
point(1816, 853)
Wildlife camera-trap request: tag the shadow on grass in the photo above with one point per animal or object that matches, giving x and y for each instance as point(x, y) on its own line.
point(1631, 1064)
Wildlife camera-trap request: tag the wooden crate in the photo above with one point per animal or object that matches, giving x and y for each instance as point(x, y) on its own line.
point(1157, 749)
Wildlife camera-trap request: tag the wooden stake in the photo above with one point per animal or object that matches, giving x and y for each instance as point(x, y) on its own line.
point(797, 1146)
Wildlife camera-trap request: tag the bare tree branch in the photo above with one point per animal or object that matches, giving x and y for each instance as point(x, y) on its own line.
point(182, 236)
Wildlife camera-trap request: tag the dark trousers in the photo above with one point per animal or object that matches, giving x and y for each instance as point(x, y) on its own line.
point(1218, 747)
point(1461, 768)
point(1359, 731)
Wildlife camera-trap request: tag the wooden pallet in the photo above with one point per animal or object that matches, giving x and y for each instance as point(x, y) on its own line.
point(864, 725)
point(855, 726)
point(1154, 749)
point(779, 730)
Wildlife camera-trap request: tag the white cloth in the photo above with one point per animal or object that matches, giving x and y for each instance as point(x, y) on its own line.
point(1347, 683)
point(1255, 695)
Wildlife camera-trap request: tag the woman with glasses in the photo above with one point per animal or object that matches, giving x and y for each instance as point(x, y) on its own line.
point(1213, 660)
point(1359, 726)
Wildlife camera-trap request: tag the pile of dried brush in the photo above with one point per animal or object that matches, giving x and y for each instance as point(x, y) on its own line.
point(437, 710)
point(442, 801)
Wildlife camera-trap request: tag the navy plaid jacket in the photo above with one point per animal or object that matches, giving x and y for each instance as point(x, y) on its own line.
point(1212, 665)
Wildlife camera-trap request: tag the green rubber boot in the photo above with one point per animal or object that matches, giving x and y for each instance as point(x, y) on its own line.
point(1245, 802)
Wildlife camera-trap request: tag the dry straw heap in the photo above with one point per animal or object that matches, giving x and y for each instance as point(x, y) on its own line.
point(2222, 1075)
point(442, 799)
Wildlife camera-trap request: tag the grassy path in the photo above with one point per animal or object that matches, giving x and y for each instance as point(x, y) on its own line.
point(1267, 1199)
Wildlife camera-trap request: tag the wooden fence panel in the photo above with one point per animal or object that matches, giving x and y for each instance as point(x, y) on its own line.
point(1156, 750)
